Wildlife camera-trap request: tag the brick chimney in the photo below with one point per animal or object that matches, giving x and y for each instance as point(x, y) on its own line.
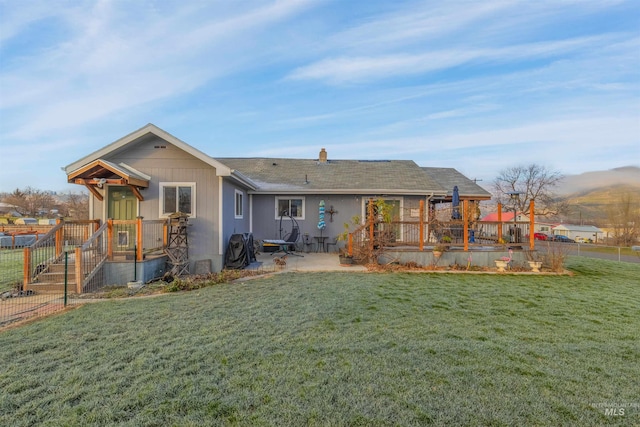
point(323, 156)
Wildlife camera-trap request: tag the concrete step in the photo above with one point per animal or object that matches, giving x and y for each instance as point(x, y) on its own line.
point(57, 277)
point(59, 268)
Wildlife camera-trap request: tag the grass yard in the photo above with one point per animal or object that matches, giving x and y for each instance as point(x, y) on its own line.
point(340, 349)
point(12, 265)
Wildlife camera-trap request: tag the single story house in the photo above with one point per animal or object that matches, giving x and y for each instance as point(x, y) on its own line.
point(152, 174)
point(574, 232)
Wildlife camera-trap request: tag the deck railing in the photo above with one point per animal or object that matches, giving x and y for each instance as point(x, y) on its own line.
point(90, 245)
point(89, 260)
point(422, 232)
point(136, 236)
point(48, 249)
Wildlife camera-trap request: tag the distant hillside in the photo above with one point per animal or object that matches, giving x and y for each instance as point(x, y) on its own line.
point(573, 185)
point(590, 194)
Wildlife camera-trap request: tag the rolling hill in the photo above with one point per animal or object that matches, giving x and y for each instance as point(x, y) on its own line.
point(590, 194)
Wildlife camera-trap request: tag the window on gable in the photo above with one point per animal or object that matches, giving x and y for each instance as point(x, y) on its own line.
point(293, 207)
point(177, 197)
point(239, 211)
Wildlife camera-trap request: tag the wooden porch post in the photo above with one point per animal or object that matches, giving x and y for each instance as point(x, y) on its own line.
point(465, 223)
point(499, 222)
point(59, 242)
point(139, 238)
point(532, 215)
point(421, 232)
point(165, 234)
point(110, 238)
point(26, 270)
point(78, 269)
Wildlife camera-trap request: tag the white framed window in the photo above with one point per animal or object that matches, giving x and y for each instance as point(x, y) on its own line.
point(394, 207)
point(290, 206)
point(177, 197)
point(239, 209)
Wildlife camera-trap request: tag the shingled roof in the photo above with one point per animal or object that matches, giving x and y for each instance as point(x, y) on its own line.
point(450, 177)
point(281, 175)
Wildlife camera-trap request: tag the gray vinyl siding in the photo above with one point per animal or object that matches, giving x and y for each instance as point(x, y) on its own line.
point(172, 164)
point(266, 226)
point(231, 225)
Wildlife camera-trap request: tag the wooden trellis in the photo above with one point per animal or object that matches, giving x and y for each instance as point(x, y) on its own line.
point(178, 244)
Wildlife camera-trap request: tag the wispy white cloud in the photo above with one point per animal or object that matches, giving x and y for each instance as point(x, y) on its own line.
point(356, 69)
point(115, 60)
point(437, 82)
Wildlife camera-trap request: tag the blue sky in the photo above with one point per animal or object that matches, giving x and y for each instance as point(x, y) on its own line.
point(474, 85)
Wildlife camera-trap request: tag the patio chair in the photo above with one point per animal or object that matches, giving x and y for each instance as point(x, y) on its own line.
point(287, 245)
point(333, 243)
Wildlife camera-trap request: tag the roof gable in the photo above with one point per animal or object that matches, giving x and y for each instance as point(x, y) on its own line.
point(135, 136)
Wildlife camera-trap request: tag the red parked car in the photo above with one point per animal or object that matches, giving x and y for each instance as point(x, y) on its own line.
point(540, 236)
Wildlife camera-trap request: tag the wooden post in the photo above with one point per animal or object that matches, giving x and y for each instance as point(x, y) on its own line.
point(110, 238)
point(26, 270)
point(421, 231)
point(499, 222)
point(78, 269)
point(532, 215)
point(350, 245)
point(165, 234)
point(59, 242)
point(465, 223)
point(139, 238)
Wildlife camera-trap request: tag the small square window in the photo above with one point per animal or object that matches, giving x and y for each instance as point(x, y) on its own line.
point(293, 207)
point(177, 197)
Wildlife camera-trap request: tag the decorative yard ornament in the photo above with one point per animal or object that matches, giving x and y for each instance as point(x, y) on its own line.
point(331, 212)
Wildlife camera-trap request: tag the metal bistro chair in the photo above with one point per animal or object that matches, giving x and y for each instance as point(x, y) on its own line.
point(333, 243)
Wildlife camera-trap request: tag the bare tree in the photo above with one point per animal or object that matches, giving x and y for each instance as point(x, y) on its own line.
point(624, 219)
point(75, 205)
point(534, 182)
point(18, 200)
point(30, 201)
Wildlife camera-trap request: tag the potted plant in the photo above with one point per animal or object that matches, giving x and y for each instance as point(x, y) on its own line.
point(534, 263)
point(442, 246)
point(344, 257)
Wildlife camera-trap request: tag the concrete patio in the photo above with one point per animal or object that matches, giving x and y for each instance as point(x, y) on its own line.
point(307, 262)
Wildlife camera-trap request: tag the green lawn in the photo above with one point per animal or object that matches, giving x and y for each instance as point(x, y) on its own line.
point(339, 349)
point(12, 265)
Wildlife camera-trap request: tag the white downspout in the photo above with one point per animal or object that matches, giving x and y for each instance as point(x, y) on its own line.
point(220, 222)
point(250, 213)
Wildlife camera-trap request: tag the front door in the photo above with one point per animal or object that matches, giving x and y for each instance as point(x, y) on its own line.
point(122, 206)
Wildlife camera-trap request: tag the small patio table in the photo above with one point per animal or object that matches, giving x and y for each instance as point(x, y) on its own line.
point(320, 243)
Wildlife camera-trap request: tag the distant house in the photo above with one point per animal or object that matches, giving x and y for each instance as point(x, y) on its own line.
point(9, 209)
point(506, 216)
point(153, 174)
point(576, 232)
